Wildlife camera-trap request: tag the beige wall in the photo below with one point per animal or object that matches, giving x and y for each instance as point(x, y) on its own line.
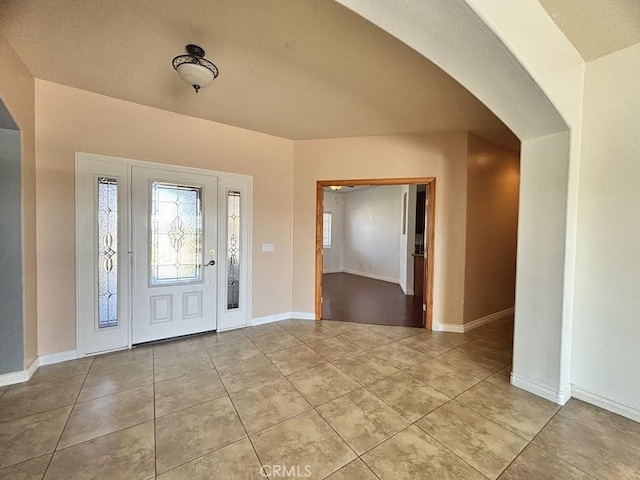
point(606, 326)
point(17, 92)
point(493, 179)
point(442, 156)
point(70, 120)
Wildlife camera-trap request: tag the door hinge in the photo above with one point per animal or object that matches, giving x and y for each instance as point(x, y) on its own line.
point(321, 299)
point(424, 307)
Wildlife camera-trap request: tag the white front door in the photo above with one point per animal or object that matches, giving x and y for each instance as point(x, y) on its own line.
point(174, 226)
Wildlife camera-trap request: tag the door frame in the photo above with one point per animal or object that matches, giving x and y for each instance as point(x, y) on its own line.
point(430, 209)
point(225, 319)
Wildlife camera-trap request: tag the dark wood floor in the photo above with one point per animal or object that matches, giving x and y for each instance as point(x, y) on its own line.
point(352, 298)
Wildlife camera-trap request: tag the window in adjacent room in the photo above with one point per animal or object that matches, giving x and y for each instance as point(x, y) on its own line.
point(326, 230)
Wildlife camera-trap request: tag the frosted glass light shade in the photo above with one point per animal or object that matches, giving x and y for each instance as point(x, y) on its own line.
point(194, 74)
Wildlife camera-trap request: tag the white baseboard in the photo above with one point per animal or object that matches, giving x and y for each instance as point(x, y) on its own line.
point(455, 328)
point(447, 327)
point(333, 270)
point(58, 357)
point(611, 405)
point(26, 374)
point(405, 290)
point(282, 316)
point(559, 396)
point(488, 319)
point(373, 276)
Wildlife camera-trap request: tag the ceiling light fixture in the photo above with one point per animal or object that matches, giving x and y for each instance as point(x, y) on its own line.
point(335, 187)
point(194, 69)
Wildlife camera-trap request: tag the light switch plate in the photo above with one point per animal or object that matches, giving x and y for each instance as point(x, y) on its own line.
point(267, 247)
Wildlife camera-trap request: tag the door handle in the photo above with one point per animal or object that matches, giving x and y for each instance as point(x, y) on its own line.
point(211, 263)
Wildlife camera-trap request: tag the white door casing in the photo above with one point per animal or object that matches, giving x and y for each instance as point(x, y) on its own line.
point(169, 241)
point(213, 302)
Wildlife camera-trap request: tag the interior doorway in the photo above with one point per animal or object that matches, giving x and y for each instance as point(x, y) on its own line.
point(387, 253)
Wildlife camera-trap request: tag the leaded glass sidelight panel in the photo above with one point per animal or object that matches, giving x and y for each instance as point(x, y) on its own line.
point(107, 252)
point(233, 250)
point(176, 234)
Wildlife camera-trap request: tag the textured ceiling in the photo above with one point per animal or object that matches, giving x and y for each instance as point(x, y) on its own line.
point(291, 68)
point(597, 27)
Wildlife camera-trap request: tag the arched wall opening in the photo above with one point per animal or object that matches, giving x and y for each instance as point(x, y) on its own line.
point(468, 40)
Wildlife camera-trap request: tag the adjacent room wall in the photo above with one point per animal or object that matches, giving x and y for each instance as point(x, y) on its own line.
point(493, 179)
point(407, 240)
point(71, 120)
point(372, 227)
point(443, 156)
point(17, 93)
point(11, 278)
point(333, 258)
point(606, 327)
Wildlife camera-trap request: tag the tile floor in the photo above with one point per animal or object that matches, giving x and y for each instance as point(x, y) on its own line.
point(332, 400)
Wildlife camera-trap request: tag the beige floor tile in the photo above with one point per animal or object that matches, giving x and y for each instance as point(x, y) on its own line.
point(187, 391)
point(25, 401)
point(435, 343)
point(29, 470)
point(237, 461)
point(272, 342)
point(173, 366)
point(397, 332)
point(365, 368)
point(482, 443)
point(126, 454)
point(125, 357)
point(362, 419)
point(265, 405)
point(313, 334)
point(412, 454)
point(295, 359)
point(519, 411)
point(249, 373)
point(57, 371)
point(343, 327)
point(445, 378)
point(334, 348)
point(590, 451)
point(3, 389)
point(367, 338)
point(473, 363)
point(260, 330)
point(220, 338)
point(114, 380)
point(398, 355)
point(356, 470)
point(603, 421)
point(31, 437)
point(172, 347)
point(292, 323)
point(412, 398)
point(492, 350)
point(226, 353)
point(188, 434)
point(501, 376)
point(536, 464)
point(104, 415)
point(323, 384)
point(304, 441)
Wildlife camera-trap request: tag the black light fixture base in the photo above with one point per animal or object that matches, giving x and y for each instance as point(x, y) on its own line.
point(195, 50)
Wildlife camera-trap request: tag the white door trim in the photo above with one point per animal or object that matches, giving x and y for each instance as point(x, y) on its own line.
point(227, 319)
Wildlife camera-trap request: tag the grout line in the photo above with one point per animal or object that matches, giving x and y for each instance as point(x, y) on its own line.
point(55, 449)
point(155, 425)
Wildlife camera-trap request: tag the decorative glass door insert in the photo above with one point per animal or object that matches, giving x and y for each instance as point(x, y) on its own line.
point(107, 219)
point(176, 254)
